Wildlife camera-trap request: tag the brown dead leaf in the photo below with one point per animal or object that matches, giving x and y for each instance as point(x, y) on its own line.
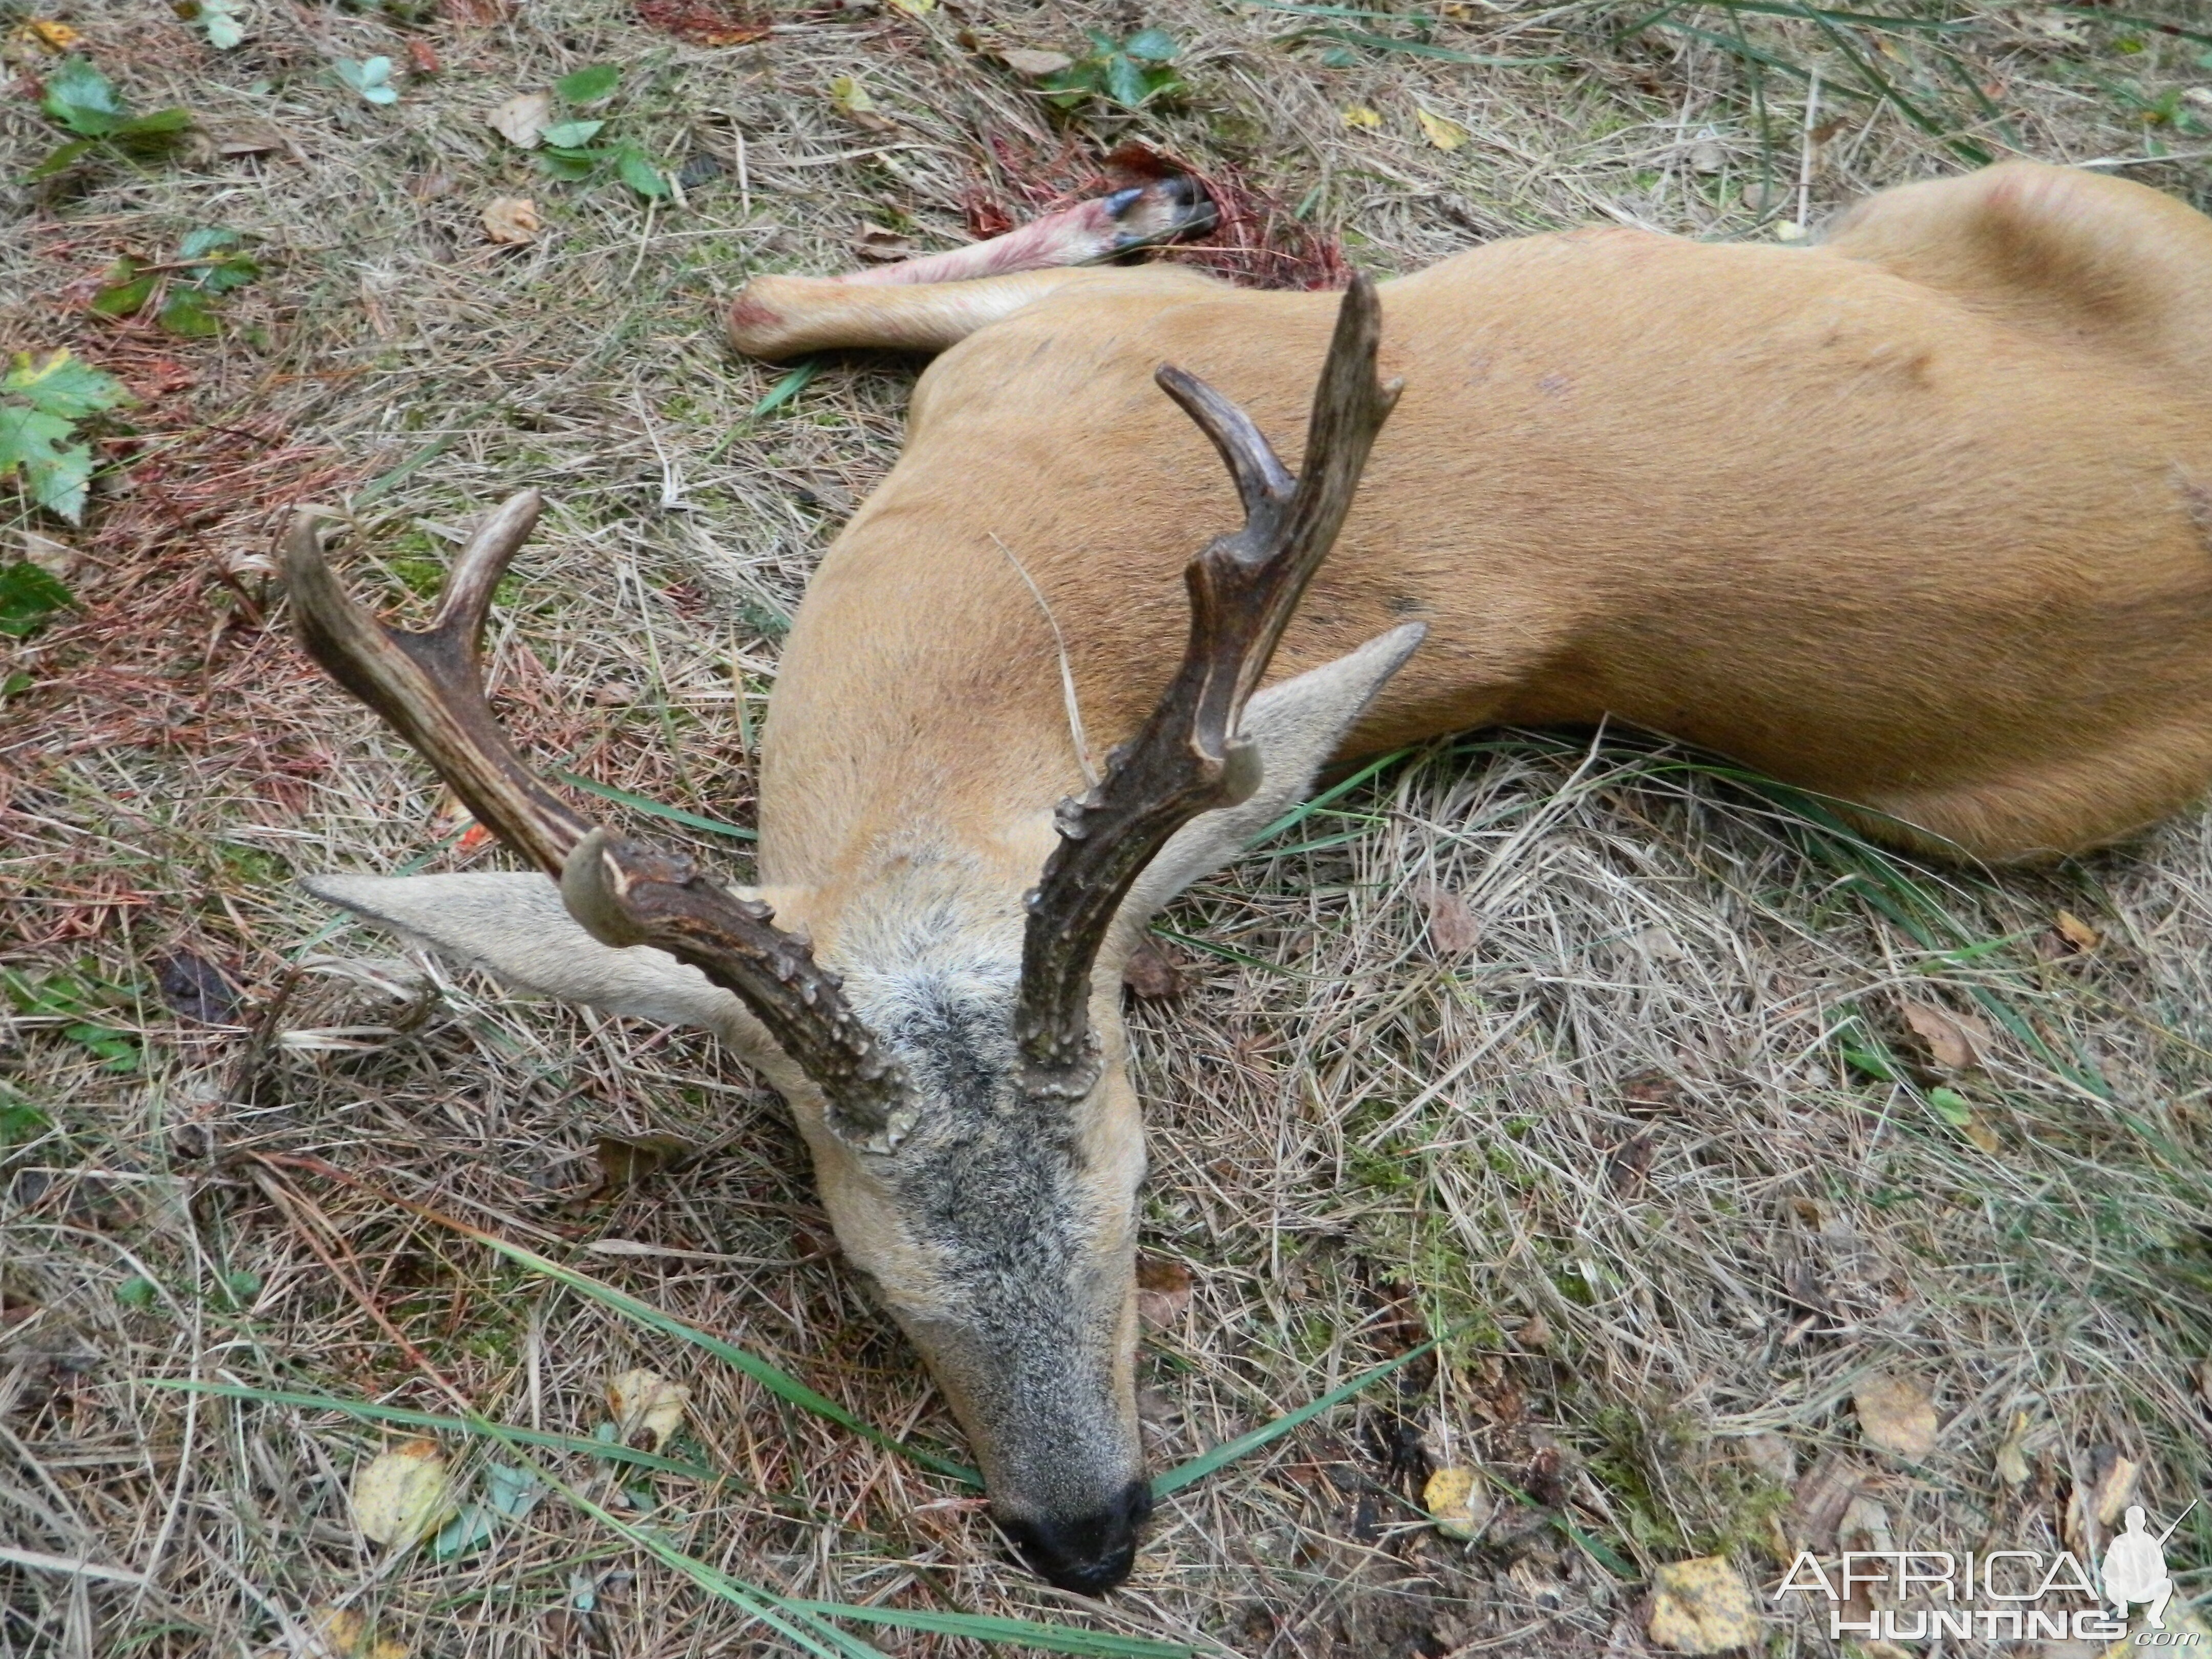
point(1453, 930)
point(1163, 1291)
point(523, 118)
point(879, 245)
point(2114, 1486)
point(512, 221)
point(1954, 1041)
point(2077, 934)
point(1628, 1163)
point(1703, 1607)
point(1152, 973)
point(1896, 1414)
point(1772, 1456)
point(1034, 65)
point(1816, 1509)
point(625, 1160)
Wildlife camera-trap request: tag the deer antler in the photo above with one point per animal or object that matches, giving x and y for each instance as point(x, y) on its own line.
point(428, 688)
point(1185, 759)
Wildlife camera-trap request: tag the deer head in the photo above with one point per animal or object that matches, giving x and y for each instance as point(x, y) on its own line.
point(959, 1074)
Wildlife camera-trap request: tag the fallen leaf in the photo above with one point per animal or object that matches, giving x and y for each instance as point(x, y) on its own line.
point(523, 118)
point(1164, 1290)
point(1151, 972)
point(625, 1160)
point(1455, 1501)
point(1896, 1414)
point(649, 1408)
point(853, 100)
point(1788, 230)
point(1703, 1607)
point(53, 35)
point(421, 56)
point(1816, 1507)
point(2012, 1464)
point(1956, 1110)
point(2077, 932)
point(1864, 1528)
point(1954, 1041)
point(1534, 1334)
point(1442, 133)
point(512, 221)
point(1775, 1458)
point(403, 1494)
point(1452, 930)
point(1033, 65)
point(2114, 1488)
point(196, 988)
point(1630, 1162)
point(58, 559)
point(1359, 115)
point(913, 8)
point(881, 246)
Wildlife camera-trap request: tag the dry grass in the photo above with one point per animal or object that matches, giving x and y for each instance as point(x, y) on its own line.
point(1594, 1099)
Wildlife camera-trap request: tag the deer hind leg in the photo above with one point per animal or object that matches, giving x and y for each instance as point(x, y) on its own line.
point(2104, 261)
point(934, 302)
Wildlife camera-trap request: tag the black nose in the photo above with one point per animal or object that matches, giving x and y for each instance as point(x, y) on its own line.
point(1087, 1554)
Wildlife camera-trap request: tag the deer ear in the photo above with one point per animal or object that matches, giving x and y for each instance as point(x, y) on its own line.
point(1295, 727)
point(517, 927)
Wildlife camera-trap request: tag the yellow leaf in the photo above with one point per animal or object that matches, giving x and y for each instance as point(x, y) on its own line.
point(913, 7)
point(1896, 1413)
point(53, 35)
point(402, 1495)
point(648, 1408)
point(1703, 1607)
point(2077, 932)
point(1788, 230)
point(1454, 1501)
point(851, 96)
point(1359, 115)
point(1444, 134)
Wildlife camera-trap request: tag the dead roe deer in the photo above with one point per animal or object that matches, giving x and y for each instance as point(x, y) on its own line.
point(1919, 518)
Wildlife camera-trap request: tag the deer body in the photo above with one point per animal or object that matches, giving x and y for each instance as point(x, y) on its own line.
point(1921, 520)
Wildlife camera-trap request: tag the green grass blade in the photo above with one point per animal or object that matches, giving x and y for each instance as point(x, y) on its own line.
point(787, 388)
point(986, 1627)
point(656, 809)
point(777, 1381)
point(369, 1411)
point(1420, 49)
point(1229, 1451)
point(1336, 792)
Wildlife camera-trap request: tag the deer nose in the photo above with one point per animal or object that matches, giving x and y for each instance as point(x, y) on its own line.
point(1087, 1554)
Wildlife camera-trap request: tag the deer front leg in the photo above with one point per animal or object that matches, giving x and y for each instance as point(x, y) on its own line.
point(934, 302)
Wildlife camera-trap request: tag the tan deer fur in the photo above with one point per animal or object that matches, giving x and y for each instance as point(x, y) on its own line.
point(1919, 518)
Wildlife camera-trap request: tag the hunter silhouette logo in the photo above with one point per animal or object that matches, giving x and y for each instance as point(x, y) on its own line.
point(2134, 1568)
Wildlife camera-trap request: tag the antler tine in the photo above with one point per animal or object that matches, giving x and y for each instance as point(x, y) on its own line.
point(1185, 759)
point(429, 687)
